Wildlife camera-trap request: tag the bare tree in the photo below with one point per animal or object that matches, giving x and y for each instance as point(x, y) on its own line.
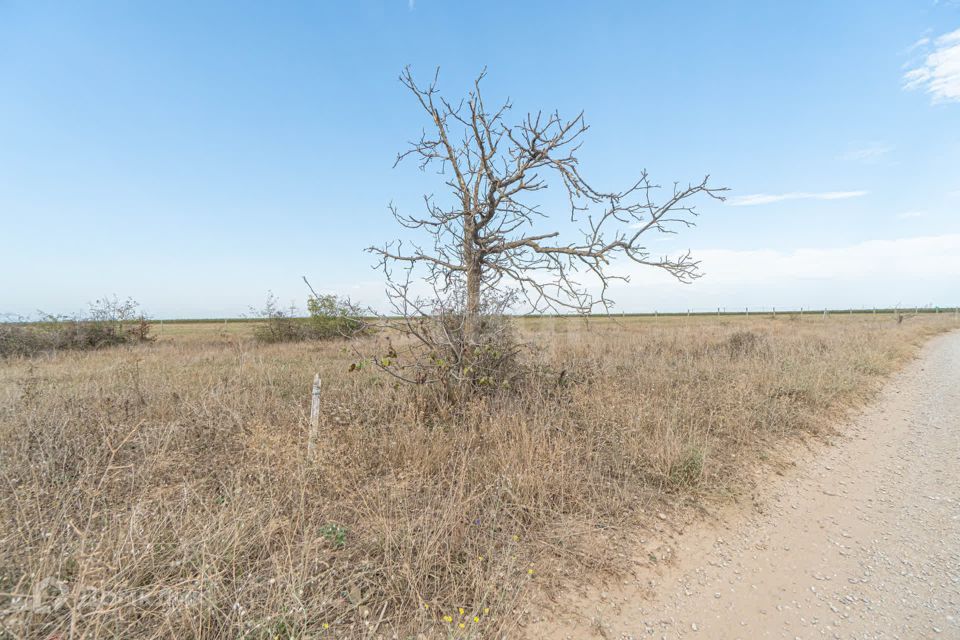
point(485, 241)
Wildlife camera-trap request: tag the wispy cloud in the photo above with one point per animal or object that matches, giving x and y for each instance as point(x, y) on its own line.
point(768, 198)
point(868, 153)
point(906, 215)
point(917, 256)
point(883, 272)
point(938, 74)
point(919, 44)
point(411, 5)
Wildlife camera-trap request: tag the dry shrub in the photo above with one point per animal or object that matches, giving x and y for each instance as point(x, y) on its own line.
point(109, 322)
point(744, 343)
point(166, 493)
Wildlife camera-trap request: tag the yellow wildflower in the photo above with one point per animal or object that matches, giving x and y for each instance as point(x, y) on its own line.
point(462, 626)
point(448, 618)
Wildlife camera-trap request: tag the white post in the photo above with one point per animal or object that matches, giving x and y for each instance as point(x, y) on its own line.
point(314, 415)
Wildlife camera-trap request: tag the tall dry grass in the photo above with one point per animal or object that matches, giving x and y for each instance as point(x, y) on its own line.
point(162, 490)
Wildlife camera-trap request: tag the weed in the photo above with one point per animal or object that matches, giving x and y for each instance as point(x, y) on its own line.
point(335, 534)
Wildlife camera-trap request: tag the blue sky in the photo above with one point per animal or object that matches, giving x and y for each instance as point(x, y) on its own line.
point(196, 155)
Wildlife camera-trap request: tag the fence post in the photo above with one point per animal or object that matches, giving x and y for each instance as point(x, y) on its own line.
point(314, 415)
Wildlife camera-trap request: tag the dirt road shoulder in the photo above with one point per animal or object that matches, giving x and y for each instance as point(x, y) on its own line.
point(861, 540)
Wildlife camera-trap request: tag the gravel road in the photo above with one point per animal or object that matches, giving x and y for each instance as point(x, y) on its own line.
point(860, 540)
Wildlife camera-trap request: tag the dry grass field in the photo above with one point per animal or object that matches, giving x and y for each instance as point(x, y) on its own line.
point(163, 490)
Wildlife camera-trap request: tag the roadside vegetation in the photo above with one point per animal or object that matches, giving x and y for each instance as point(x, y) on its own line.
point(166, 492)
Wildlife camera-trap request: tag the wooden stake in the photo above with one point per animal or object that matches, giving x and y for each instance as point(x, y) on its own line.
point(314, 415)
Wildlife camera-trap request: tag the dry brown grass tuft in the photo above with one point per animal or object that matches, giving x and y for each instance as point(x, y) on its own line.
point(163, 491)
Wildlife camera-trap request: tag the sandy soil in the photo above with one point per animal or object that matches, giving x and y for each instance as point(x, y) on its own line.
point(858, 540)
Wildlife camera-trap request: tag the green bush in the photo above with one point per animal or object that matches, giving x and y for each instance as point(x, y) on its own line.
point(333, 317)
point(330, 317)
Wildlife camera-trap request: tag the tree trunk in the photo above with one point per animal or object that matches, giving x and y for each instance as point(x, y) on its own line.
point(471, 258)
point(471, 320)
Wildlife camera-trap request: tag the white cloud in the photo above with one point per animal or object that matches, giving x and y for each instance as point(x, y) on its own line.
point(919, 44)
point(766, 198)
point(906, 215)
point(870, 153)
point(917, 270)
point(920, 257)
point(938, 74)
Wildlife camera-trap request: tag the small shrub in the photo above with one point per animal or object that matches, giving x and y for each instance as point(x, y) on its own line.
point(744, 343)
point(279, 325)
point(441, 352)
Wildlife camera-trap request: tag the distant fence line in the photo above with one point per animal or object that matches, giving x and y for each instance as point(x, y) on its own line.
point(746, 311)
point(701, 311)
